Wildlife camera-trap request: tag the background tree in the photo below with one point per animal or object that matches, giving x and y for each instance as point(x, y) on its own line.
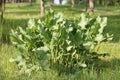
point(30, 1)
point(42, 2)
point(2, 3)
point(100, 2)
point(91, 5)
point(72, 3)
point(60, 1)
point(51, 3)
point(86, 5)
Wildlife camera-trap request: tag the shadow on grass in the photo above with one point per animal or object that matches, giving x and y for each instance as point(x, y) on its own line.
point(105, 70)
point(23, 12)
point(113, 27)
point(21, 5)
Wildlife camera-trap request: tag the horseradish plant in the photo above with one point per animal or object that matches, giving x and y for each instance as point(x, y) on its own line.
point(58, 43)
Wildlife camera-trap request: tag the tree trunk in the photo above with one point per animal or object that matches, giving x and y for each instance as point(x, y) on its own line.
point(86, 5)
point(100, 2)
point(2, 3)
point(91, 4)
point(73, 3)
point(30, 1)
point(51, 3)
point(42, 9)
point(60, 1)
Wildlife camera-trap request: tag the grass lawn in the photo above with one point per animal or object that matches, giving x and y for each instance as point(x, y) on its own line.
point(19, 14)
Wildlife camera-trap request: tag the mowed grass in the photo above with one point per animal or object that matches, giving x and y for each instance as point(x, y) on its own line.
point(19, 14)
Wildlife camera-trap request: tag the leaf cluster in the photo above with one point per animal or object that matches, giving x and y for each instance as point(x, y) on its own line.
point(58, 43)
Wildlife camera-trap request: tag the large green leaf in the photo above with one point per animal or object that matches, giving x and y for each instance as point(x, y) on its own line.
point(58, 42)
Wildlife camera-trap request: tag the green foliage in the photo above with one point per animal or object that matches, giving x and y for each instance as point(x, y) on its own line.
point(58, 43)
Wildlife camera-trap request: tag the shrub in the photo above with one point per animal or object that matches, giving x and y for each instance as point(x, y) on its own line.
point(58, 43)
